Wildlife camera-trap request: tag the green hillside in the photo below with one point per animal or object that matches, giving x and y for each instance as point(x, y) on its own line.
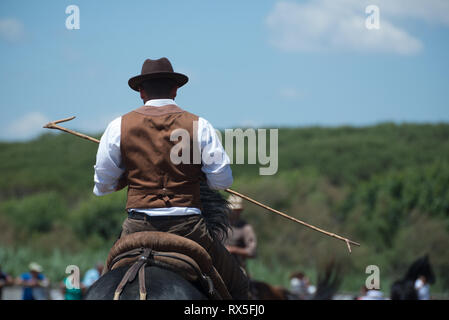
point(385, 186)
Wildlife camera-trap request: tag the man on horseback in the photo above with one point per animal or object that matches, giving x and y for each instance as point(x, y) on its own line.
point(137, 151)
point(241, 239)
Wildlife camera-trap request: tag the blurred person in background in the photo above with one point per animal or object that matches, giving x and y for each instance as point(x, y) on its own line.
point(422, 288)
point(241, 239)
point(34, 283)
point(300, 286)
point(362, 293)
point(372, 294)
point(5, 280)
point(92, 275)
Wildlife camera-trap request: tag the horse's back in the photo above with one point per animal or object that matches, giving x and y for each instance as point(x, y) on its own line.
point(161, 284)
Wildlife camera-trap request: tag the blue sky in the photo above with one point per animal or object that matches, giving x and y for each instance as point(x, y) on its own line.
point(250, 63)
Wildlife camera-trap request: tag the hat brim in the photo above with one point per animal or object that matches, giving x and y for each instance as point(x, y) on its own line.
point(179, 78)
point(35, 267)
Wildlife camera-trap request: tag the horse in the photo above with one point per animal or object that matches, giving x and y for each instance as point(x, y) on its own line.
point(404, 289)
point(162, 283)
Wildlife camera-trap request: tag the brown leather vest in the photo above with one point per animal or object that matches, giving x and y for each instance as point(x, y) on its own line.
point(154, 181)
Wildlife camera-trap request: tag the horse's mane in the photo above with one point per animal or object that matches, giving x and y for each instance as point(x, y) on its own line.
point(404, 289)
point(215, 211)
point(420, 267)
point(329, 281)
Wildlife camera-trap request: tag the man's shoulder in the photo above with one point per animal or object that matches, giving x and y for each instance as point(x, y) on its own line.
point(188, 113)
point(192, 114)
point(159, 110)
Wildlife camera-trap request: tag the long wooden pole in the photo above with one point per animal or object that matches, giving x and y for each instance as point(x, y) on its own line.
point(348, 242)
point(54, 125)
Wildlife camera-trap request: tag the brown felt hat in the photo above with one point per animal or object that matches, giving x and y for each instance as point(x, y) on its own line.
point(153, 69)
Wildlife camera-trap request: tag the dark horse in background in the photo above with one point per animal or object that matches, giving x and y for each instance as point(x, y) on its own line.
point(328, 282)
point(404, 289)
point(164, 284)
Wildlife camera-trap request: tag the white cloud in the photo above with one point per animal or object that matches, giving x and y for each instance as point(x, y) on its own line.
point(323, 25)
point(26, 127)
point(11, 30)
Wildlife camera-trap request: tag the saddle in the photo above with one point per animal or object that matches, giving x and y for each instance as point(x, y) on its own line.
point(169, 251)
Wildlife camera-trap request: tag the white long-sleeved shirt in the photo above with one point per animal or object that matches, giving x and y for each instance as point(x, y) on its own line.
point(109, 166)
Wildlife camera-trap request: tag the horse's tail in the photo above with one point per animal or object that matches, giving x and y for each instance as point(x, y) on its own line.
point(328, 282)
point(215, 211)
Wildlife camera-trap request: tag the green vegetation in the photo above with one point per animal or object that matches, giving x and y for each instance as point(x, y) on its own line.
point(385, 186)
